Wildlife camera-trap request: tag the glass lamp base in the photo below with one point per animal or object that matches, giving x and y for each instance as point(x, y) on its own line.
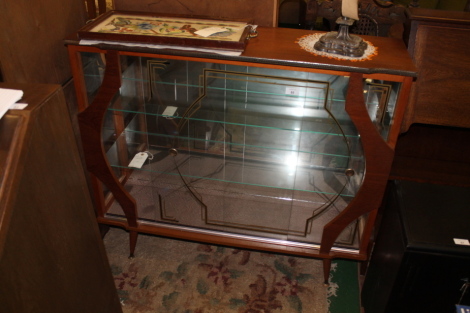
point(341, 42)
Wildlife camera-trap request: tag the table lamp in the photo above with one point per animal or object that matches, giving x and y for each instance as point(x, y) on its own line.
point(341, 42)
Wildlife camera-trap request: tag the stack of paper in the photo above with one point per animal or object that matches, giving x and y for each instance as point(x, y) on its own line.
point(156, 46)
point(8, 97)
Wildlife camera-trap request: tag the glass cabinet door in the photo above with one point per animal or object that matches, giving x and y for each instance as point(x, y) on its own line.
point(247, 151)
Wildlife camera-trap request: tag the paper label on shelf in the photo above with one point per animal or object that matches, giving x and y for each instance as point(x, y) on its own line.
point(8, 97)
point(462, 242)
point(139, 160)
point(292, 91)
point(18, 106)
point(169, 111)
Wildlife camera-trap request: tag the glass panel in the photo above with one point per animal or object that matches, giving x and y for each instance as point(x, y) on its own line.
point(245, 150)
point(93, 72)
point(381, 98)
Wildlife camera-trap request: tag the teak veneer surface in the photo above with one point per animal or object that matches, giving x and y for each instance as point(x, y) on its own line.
point(278, 46)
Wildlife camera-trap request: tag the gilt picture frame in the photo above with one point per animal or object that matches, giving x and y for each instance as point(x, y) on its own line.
point(173, 30)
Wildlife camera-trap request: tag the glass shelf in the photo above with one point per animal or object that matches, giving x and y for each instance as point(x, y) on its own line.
point(248, 151)
point(238, 149)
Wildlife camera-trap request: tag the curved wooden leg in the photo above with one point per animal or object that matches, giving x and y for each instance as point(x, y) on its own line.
point(326, 271)
point(379, 158)
point(132, 242)
point(91, 122)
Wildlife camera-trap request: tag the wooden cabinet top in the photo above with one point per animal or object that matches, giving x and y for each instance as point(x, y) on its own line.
point(279, 46)
point(430, 15)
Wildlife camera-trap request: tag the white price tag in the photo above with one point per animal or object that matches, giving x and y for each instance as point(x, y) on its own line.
point(206, 32)
point(169, 111)
point(292, 91)
point(139, 160)
point(462, 242)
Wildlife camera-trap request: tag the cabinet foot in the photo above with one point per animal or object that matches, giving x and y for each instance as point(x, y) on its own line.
point(132, 243)
point(326, 271)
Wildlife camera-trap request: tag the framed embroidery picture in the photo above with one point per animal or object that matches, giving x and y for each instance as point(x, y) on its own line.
point(174, 30)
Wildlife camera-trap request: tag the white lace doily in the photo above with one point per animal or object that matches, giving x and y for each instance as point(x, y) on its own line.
point(307, 42)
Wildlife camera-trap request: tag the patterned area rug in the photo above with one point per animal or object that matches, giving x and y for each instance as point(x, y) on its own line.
point(183, 277)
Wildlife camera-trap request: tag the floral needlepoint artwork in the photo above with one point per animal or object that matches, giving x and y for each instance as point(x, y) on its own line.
point(137, 28)
point(171, 27)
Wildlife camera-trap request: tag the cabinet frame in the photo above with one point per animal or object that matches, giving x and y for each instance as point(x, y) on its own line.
point(394, 65)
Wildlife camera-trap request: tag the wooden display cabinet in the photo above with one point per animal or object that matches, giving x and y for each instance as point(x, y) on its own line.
point(275, 149)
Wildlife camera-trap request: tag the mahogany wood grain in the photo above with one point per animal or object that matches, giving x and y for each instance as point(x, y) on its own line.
point(52, 258)
point(91, 123)
point(91, 9)
point(31, 40)
point(378, 158)
point(438, 43)
point(264, 12)
point(275, 44)
point(436, 128)
point(79, 79)
point(277, 47)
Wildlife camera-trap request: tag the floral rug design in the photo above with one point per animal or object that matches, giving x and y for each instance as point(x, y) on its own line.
point(184, 277)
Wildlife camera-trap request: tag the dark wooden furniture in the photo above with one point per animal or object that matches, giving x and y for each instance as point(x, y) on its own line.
point(366, 25)
point(454, 5)
point(292, 13)
point(438, 43)
point(133, 72)
point(52, 258)
point(437, 121)
point(31, 38)
point(25, 24)
point(385, 15)
point(95, 8)
point(263, 12)
point(430, 153)
point(416, 266)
